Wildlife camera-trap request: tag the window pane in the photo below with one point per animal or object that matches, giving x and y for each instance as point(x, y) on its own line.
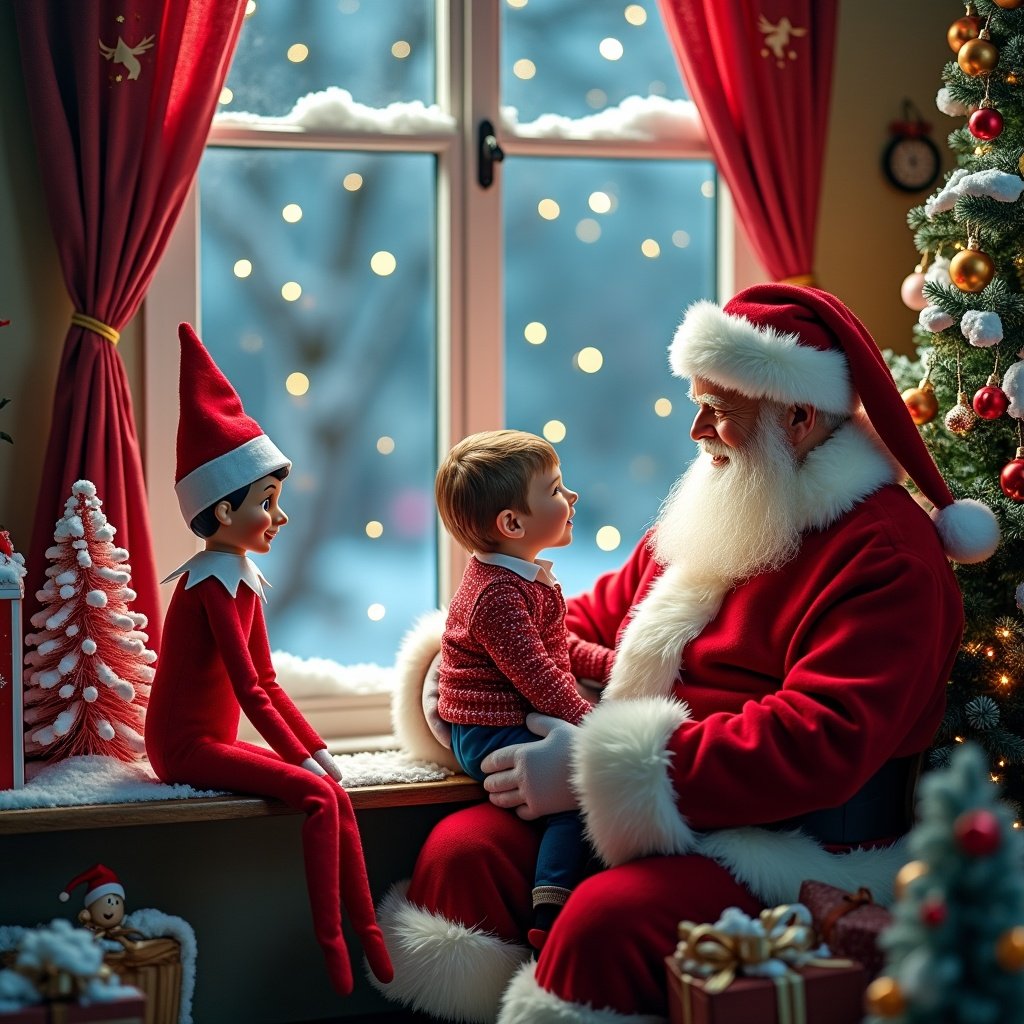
point(572, 58)
point(602, 257)
point(379, 52)
point(318, 284)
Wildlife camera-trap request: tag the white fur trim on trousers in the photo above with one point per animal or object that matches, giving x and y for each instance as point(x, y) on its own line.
point(525, 1002)
point(442, 968)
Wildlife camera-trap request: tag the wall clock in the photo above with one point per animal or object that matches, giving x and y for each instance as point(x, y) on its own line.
point(911, 161)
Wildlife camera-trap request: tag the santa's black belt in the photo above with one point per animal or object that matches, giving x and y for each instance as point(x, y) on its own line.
point(882, 808)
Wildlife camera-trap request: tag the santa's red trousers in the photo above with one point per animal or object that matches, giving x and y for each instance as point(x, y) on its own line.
point(608, 945)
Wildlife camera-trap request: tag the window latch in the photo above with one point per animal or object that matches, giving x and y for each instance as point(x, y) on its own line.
point(488, 154)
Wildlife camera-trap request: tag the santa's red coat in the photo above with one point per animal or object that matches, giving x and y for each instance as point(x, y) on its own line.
point(777, 697)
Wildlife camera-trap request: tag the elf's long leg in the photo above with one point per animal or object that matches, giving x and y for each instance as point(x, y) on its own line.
point(241, 768)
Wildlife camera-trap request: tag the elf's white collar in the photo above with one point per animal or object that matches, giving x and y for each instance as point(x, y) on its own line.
point(230, 569)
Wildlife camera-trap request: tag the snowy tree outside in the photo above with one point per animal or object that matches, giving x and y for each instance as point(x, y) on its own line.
point(88, 676)
point(319, 284)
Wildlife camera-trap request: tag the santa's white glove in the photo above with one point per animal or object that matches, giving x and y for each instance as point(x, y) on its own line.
point(325, 760)
point(441, 729)
point(533, 778)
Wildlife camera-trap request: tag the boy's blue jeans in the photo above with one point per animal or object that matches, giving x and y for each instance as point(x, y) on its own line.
point(563, 851)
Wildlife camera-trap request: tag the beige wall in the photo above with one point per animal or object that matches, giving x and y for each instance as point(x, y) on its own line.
point(864, 247)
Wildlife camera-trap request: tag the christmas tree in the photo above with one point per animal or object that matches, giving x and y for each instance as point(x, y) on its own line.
point(955, 949)
point(88, 678)
point(966, 389)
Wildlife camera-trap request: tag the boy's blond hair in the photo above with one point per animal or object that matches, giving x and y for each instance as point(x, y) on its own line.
point(483, 474)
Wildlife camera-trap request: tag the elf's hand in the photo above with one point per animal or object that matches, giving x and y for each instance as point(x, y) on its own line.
point(533, 778)
point(326, 761)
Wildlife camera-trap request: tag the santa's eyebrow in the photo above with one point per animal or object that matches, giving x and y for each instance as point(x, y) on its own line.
point(711, 400)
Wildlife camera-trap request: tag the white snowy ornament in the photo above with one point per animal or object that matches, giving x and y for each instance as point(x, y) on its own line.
point(990, 184)
point(88, 678)
point(938, 271)
point(933, 319)
point(1013, 387)
point(981, 328)
point(950, 106)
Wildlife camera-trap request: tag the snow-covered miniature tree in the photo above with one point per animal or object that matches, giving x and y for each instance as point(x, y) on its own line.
point(955, 949)
point(88, 678)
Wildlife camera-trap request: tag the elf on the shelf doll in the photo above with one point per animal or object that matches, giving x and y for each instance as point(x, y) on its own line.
point(216, 659)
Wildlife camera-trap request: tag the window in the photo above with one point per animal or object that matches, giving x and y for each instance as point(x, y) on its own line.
point(372, 303)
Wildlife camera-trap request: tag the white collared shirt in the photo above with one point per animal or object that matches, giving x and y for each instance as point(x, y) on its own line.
point(541, 570)
point(229, 568)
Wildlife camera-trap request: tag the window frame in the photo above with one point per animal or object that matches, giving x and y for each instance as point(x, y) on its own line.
point(470, 300)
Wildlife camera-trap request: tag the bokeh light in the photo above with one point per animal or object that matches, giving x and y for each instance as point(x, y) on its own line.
point(376, 612)
point(554, 431)
point(385, 445)
point(374, 529)
point(681, 239)
point(535, 333)
point(400, 49)
point(296, 383)
point(291, 290)
point(635, 14)
point(600, 202)
point(548, 209)
point(610, 48)
point(597, 98)
point(298, 52)
point(650, 248)
point(589, 359)
point(608, 538)
point(242, 268)
point(588, 230)
point(226, 96)
point(292, 213)
point(707, 189)
point(524, 69)
point(353, 182)
point(383, 263)
point(663, 407)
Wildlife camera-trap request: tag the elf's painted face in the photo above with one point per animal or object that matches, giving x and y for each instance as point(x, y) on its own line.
point(254, 524)
point(107, 911)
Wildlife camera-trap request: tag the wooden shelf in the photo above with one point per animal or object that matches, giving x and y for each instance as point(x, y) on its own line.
point(456, 789)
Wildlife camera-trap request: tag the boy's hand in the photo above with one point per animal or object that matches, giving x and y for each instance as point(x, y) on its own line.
point(326, 761)
point(533, 778)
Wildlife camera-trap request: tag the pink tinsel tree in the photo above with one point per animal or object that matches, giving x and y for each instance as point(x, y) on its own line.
point(88, 678)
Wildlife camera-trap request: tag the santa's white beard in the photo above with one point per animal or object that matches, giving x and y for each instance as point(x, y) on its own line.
point(733, 521)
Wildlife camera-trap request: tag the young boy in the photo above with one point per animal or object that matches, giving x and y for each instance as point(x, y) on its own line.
point(215, 661)
point(505, 650)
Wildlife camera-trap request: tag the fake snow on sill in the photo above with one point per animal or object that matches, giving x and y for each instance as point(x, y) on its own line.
point(334, 109)
point(636, 118)
point(321, 677)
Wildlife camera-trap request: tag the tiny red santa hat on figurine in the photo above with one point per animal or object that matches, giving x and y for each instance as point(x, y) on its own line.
point(220, 448)
point(794, 344)
point(101, 881)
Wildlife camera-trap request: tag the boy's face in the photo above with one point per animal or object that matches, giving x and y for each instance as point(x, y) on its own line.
point(549, 524)
point(254, 524)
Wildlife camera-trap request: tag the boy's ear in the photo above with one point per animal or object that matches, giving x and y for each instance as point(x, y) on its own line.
point(507, 524)
point(222, 512)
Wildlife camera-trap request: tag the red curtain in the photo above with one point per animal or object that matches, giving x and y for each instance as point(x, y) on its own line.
point(760, 74)
point(121, 96)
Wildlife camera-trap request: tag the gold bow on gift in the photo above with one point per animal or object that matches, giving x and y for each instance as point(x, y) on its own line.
point(727, 955)
point(55, 983)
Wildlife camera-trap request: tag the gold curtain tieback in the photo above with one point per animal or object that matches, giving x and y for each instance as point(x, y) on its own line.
point(96, 326)
point(803, 280)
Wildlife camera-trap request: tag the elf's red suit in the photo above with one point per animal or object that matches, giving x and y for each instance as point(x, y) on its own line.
point(751, 736)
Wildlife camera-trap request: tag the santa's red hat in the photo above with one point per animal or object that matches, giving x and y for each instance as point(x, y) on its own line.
point(101, 882)
point(802, 345)
point(220, 448)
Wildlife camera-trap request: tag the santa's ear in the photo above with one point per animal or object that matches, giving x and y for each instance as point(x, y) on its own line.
point(222, 511)
point(508, 525)
point(800, 421)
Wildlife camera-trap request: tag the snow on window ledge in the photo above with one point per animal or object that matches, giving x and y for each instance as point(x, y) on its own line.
point(636, 118)
point(334, 110)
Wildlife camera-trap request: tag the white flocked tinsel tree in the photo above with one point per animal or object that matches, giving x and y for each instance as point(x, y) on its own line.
point(88, 677)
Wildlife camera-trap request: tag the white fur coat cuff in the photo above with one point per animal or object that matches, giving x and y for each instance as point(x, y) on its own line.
point(620, 770)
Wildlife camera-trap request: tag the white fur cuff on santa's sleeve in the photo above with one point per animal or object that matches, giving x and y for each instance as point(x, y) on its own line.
point(419, 646)
point(620, 771)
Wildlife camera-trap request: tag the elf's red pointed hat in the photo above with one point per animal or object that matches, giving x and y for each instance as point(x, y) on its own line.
point(220, 448)
point(792, 344)
point(101, 881)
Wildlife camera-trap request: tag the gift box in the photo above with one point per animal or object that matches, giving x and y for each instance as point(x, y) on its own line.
point(849, 923)
point(815, 995)
point(154, 967)
point(12, 744)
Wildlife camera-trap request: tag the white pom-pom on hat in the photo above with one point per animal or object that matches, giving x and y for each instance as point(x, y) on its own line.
point(969, 530)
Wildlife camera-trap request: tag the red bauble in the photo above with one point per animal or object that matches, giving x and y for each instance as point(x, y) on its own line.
point(986, 123)
point(933, 912)
point(977, 832)
point(1011, 479)
point(990, 402)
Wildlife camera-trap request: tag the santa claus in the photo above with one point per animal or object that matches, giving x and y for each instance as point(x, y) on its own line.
point(784, 639)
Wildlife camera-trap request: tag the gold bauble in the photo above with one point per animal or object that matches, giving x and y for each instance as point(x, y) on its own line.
point(921, 403)
point(910, 872)
point(884, 997)
point(1009, 5)
point(1010, 949)
point(971, 270)
point(1020, 163)
point(962, 30)
point(977, 57)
